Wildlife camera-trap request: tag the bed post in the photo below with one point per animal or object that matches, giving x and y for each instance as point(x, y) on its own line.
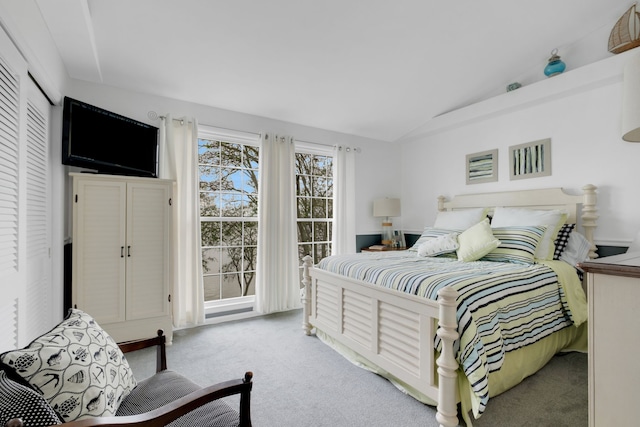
point(447, 414)
point(305, 294)
point(589, 216)
point(441, 200)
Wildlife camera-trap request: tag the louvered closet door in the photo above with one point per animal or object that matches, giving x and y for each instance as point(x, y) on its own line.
point(12, 194)
point(148, 249)
point(39, 292)
point(99, 249)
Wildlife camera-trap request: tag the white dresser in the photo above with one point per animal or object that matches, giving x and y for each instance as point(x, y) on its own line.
point(121, 244)
point(613, 287)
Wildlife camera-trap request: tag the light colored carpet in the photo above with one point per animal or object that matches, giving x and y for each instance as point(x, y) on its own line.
point(301, 382)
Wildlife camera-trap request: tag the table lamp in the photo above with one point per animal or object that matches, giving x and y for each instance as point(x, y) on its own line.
point(386, 208)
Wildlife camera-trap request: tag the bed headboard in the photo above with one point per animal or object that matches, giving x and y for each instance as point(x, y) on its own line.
point(547, 198)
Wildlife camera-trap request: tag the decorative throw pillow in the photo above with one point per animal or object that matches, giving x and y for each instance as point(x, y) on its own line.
point(18, 401)
point(552, 219)
point(517, 244)
point(77, 367)
point(460, 219)
point(439, 246)
point(429, 233)
point(477, 241)
point(562, 239)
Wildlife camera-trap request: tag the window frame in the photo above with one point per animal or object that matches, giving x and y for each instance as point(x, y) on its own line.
point(230, 305)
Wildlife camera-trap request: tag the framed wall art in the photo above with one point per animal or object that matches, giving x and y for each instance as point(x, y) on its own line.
point(482, 167)
point(530, 160)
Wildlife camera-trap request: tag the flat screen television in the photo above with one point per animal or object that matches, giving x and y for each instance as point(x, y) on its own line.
point(107, 142)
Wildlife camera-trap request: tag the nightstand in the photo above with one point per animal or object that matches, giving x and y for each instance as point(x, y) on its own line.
point(382, 250)
point(613, 288)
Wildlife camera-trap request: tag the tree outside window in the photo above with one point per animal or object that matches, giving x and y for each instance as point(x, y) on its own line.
point(314, 193)
point(229, 217)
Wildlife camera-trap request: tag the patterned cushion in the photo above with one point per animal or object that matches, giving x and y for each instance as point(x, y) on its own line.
point(429, 233)
point(440, 245)
point(477, 241)
point(18, 401)
point(518, 244)
point(552, 219)
point(77, 367)
point(562, 239)
point(167, 386)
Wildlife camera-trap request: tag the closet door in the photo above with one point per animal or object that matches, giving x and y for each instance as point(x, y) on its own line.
point(39, 291)
point(99, 248)
point(148, 226)
point(13, 303)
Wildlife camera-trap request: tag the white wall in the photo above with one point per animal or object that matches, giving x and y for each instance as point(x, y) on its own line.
point(377, 163)
point(579, 110)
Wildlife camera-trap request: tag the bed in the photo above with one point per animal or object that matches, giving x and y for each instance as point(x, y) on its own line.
point(427, 324)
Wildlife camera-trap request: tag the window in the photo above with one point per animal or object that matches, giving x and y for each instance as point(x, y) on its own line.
point(228, 167)
point(314, 194)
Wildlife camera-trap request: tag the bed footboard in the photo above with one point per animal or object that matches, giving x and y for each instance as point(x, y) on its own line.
point(394, 331)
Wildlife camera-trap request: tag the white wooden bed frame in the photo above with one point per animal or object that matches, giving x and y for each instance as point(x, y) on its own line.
point(394, 330)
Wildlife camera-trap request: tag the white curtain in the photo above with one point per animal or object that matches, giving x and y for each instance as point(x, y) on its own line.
point(179, 162)
point(277, 277)
point(344, 201)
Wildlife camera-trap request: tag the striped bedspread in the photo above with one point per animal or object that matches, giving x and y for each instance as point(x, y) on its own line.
point(501, 306)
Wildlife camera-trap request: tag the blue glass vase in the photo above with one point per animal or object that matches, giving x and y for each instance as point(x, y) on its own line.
point(555, 65)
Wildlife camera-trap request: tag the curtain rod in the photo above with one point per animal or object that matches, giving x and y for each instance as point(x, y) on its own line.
point(356, 149)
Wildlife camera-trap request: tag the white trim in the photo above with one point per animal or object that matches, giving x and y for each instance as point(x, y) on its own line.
point(206, 131)
point(314, 148)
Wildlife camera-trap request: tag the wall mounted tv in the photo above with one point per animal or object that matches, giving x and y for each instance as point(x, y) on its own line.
point(107, 142)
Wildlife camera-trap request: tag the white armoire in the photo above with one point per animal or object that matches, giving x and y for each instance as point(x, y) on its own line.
point(120, 253)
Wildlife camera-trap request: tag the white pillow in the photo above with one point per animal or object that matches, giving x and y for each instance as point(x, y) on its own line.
point(577, 249)
point(440, 245)
point(552, 219)
point(459, 220)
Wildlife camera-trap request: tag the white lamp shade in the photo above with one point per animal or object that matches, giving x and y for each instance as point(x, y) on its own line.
point(386, 207)
point(631, 100)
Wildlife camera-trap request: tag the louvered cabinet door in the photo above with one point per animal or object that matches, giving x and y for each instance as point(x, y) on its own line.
point(99, 249)
point(148, 224)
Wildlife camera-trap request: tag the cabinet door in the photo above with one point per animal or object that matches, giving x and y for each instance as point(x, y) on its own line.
point(99, 249)
point(148, 225)
point(614, 380)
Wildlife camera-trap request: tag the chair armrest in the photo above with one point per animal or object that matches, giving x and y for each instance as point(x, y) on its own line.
point(159, 341)
point(174, 410)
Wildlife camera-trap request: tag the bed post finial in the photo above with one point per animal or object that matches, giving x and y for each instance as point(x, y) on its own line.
point(441, 200)
point(590, 216)
point(447, 414)
point(305, 293)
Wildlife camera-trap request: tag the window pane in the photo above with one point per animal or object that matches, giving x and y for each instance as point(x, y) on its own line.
point(209, 204)
point(319, 208)
point(249, 181)
point(303, 185)
point(303, 164)
point(304, 207)
point(208, 152)
point(209, 179)
point(210, 233)
point(231, 287)
point(320, 231)
point(231, 233)
point(231, 154)
point(230, 205)
point(211, 261)
point(251, 156)
point(305, 232)
point(250, 233)
point(212, 289)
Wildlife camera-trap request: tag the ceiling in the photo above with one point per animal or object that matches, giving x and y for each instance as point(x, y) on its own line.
point(373, 68)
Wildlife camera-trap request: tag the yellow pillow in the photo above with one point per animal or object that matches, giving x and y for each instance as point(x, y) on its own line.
point(476, 241)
